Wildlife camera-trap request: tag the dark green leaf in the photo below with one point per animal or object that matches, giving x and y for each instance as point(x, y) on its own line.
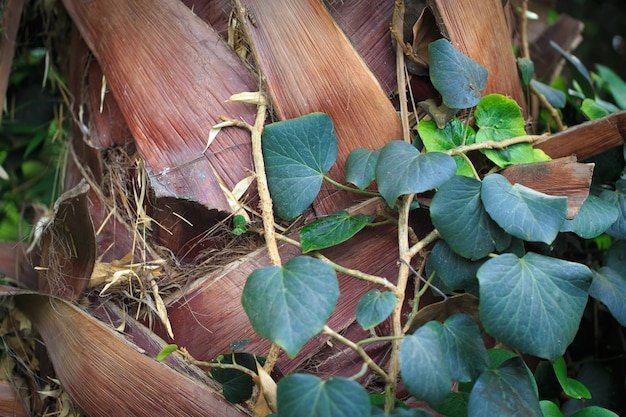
point(297, 154)
point(166, 351)
point(455, 271)
point(581, 75)
point(458, 213)
point(609, 286)
point(239, 344)
point(615, 84)
point(422, 364)
point(615, 256)
point(592, 110)
point(459, 79)
point(521, 211)
point(555, 97)
point(236, 385)
point(594, 218)
point(399, 412)
point(618, 199)
point(500, 118)
point(463, 348)
point(526, 69)
point(374, 307)
point(332, 230)
point(361, 167)
point(454, 405)
point(449, 137)
point(533, 303)
point(308, 396)
point(505, 391)
point(289, 305)
point(570, 386)
point(401, 169)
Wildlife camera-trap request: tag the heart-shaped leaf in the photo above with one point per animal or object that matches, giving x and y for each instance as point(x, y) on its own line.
point(402, 169)
point(618, 199)
point(455, 271)
point(458, 213)
point(297, 154)
point(421, 360)
point(500, 118)
point(615, 256)
point(361, 167)
point(459, 79)
point(449, 137)
point(516, 396)
point(570, 386)
point(374, 307)
point(463, 348)
point(522, 211)
point(594, 217)
point(526, 69)
point(332, 230)
point(609, 286)
point(289, 305)
point(533, 303)
point(236, 385)
point(305, 395)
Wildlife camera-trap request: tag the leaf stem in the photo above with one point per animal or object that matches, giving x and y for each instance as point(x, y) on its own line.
point(356, 273)
point(204, 364)
point(492, 144)
point(353, 190)
point(415, 249)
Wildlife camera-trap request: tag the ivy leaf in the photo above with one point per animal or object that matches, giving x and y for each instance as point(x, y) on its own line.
point(618, 199)
point(550, 409)
point(399, 412)
point(555, 97)
point(374, 307)
point(456, 272)
point(581, 75)
point(421, 359)
point(463, 348)
point(308, 396)
point(615, 256)
point(401, 169)
point(500, 118)
point(570, 386)
point(297, 153)
point(594, 217)
point(609, 286)
point(288, 305)
point(459, 79)
point(526, 68)
point(515, 397)
point(332, 230)
point(594, 411)
point(592, 110)
point(521, 211)
point(449, 137)
point(533, 303)
point(166, 351)
point(615, 84)
point(236, 385)
point(458, 213)
point(361, 167)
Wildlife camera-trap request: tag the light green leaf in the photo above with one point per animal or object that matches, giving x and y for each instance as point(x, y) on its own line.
point(515, 395)
point(449, 137)
point(593, 110)
point(533, 303)
point(550, 409)
point(521, 211)
point(458, 213)
point(305, 395)
point(594, 411)
point(609, 287)
point(166, 351)
point(289, 305)
point(401, 169)
point(332, 230)
point(297, 153)
point(374, 307)
point(361, 167)
point(570, 386)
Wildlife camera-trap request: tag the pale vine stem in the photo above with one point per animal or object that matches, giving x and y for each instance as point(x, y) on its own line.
point(491, 144)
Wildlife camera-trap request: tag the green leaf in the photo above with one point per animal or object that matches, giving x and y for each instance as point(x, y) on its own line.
point(401, 169)
point(459, 79)
point(421, 364)
point(289, 305)
point(618, 199)
point(361, 167)
point(594, 411)
point(555, 97)
point(570, 386)
point(236, 385)
point(239, 223)
point(332, 230)
point(454, 405)
point(458, 213)
point(308, 396)
point(550, 409)
point(374, 307)
point(615, 84)
point(166, 351)
point(446, 138)
point(521, 211)
point(615, 256)
point(594, 218)
point(500, 118)
point(239, 344)
point(526, 69)
point(463, 348)
point(609, 287)
point(581, 75)
point(456, 272)
point(592, 110)
point(400, 412)
point(533, 303)
point(297, 153)
point(505, 391)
